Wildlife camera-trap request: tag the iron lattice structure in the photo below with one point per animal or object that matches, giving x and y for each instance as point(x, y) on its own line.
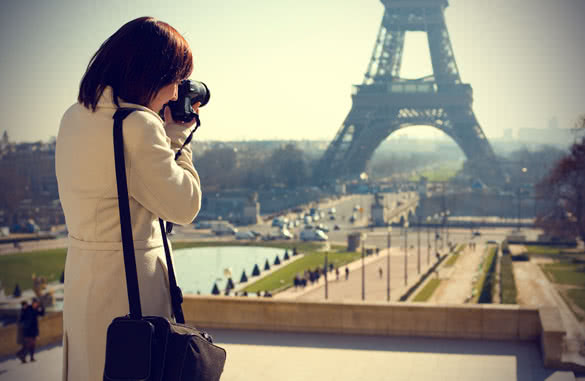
point(385, 103)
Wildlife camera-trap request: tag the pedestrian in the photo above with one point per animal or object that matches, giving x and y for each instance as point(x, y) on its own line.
point(380, 272)
point(346, 273)
point(139, 66)
point(19, 335)
point(30, 329)
point(337, 273)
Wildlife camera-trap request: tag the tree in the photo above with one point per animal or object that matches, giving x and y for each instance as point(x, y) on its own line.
point(289, 166)
point(564, 189)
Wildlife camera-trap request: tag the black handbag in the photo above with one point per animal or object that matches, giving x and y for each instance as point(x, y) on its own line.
point(151, 348)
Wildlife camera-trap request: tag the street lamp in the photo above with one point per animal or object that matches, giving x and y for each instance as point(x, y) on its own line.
point(436, 219)
point(418, 248)
point(428, 240)
point(447, 213)
point(405, 253)
point(364, 268)
point(442, 229)
point(388, 264)
point(325, 273)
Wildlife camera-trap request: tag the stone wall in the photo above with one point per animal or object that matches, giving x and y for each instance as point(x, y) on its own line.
point(488, 322)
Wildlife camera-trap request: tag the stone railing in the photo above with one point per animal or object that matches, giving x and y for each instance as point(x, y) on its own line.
point(487, 321)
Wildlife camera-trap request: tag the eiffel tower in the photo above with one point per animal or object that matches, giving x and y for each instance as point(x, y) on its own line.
point(385, 103)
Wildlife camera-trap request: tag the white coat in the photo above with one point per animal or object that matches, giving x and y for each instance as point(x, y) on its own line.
point(95, 283)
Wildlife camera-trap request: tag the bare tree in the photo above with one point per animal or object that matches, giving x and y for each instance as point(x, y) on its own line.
point(564, 188)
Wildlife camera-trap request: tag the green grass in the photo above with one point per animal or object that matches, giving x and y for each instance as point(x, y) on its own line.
point(439, 173)
point(565, 273)
point(453, 258)
point(311, 260)
point(18, 268)
point(577, 296)
point(427, 291)
point(507, 283)
point(485, 267)
point(543, 250)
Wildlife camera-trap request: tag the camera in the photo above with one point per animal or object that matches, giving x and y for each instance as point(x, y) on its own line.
point(189, 93)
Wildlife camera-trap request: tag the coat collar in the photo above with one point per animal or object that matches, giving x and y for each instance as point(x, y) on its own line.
point(107, 101)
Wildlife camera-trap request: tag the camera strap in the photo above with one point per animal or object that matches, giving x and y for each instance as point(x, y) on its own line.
point(169, 227)
point(126, 228)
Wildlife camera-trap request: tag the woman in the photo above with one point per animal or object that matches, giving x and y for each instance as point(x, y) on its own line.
point(139, 66)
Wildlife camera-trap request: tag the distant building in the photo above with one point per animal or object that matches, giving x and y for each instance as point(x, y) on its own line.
point(29, 184)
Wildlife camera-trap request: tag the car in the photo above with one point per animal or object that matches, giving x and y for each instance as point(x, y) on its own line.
point(475, 234)
point(356, 208)
point(332, 217)
point(491, 242)
point(245, 235)
point(322, 227)
point(352, 218)
point(336, 227)
point(313, 235)
point(283, 234)
point(332, 210)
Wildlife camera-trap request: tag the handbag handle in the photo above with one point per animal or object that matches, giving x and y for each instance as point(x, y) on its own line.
point(126, 228)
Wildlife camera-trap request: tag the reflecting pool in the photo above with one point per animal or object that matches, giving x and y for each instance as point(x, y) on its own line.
point(198, 268)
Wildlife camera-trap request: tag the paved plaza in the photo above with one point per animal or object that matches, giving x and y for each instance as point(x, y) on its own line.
point(326, 357)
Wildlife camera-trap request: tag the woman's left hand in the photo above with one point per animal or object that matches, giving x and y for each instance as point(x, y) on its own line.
point(169, 116)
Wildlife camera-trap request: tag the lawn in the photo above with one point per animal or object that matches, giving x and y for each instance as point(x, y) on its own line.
point(18, 268)
point(486, 276)
point(283, 278)
point(565, 273)
point(439, 173)
point(507, 281)
point(427, 291)
point(544, 250)
point(453, 258)
point(577, 296)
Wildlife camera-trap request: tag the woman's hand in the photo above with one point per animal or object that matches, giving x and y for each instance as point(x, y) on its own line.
point(169, 116)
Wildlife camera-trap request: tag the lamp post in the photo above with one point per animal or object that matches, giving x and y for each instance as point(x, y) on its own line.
point(325, 273)
point(442, 214)
point(447, 213)
point(428, 240)
point(418, 248)
point(518, 193)
point(388, 264)
point(405, 253)
point(436, 232)
point(364, 268)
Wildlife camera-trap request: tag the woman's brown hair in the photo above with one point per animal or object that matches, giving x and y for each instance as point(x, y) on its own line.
point(142, 57)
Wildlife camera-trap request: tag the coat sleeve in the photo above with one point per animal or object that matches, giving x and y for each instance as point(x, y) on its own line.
point(169, 189)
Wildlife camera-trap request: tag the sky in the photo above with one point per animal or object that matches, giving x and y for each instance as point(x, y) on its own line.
point(284, 69)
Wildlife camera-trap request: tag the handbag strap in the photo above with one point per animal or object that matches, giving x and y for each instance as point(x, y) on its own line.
point(126, 227)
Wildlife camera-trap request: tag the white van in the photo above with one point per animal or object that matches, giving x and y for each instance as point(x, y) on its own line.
point(313, 235)
point(224, 229)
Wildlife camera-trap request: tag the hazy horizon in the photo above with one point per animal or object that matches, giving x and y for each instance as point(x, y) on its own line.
point(286, 73)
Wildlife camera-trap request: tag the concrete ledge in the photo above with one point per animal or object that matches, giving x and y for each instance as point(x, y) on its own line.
point(552, 337)
point(489, 322)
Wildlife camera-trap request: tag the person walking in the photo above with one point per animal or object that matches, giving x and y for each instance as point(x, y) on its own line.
point(346, 273)
point(29, 320)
